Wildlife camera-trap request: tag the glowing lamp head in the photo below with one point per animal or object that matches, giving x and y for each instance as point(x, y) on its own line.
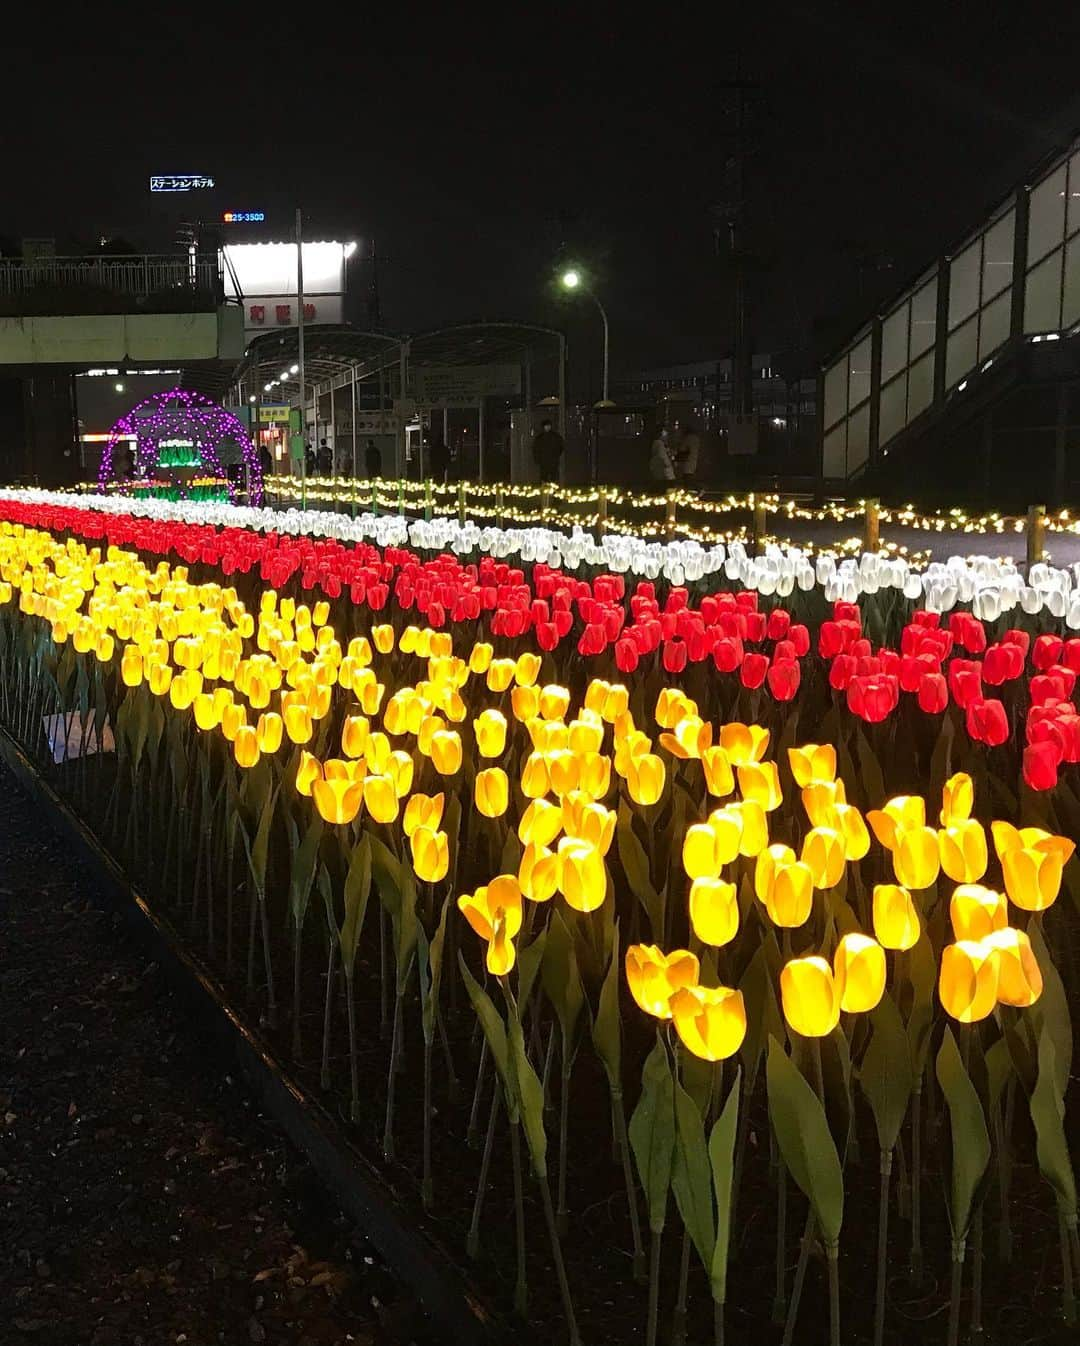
point(571, 280)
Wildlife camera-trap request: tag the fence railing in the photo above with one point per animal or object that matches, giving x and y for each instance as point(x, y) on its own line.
point(144, 274)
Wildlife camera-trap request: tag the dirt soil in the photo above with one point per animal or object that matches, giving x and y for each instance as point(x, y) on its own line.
point(143, 1199)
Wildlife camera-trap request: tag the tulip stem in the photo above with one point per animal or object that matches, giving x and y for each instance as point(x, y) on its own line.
point(631, 1190)
point(1003, 1129)
point(328, 1012)
point(654, 1286)
point(1068, 1294)
point(564, 1127)
point(478, 1089)
point(252, 916)
point(473, 1244)
point(521, 1288)
point(560, 1265)
point(833, 1259)
point(916, 1262)
point(388, 1129)
point(800, 1276)
point(976, 1275)
point(718, 1322)
point(954, 1293)
point(230, 850)
point(427, 1194)
point(384, 974)
point(354, 1068)
point(678, 1322)
point(882, 1247)
point(297, 1045)
point(268, 967)
point(780, 1291)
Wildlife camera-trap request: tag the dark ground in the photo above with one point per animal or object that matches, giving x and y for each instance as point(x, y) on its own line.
point(143, 1200)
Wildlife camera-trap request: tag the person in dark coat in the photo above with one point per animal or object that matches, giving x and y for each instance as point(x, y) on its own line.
point(547, 450)
point(372, 460)
point(438, 459)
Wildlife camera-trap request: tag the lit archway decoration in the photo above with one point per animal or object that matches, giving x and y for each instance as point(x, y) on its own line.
point(183, 446)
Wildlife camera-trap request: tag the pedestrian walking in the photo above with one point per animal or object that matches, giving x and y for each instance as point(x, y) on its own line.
point(547, 452)
point(661, 462)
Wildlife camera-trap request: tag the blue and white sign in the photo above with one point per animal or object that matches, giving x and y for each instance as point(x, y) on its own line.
point(179, 182)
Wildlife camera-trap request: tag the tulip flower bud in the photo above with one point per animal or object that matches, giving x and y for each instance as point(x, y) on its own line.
point(582, 875)
point(760, 782)
point(246, 746)
point(789, 898)
point(492, 792)
point(1020, 981)
point(1032, 877)
point(957, 799)
point(538, 873)
point(700, 855)
point(525, 703)
point(744, 743)
point(719, 777)
point(654, 977)
point(446, 752)
point(269, 731)
point(859, 972)
point(645, 777)
point(714, 911)
point(423, 811)
point(962, 846)
point(380, 797)
point(490, 729)
point(233, 718)
point(903, 812)
point(430, 854)
point(968, 980)
point(823, 854)
point(820, 801)
point(337, 801)
point(896, 920)
point(540, 823)
point(812, 764)
point(916, 857)
point(710, 1022)
point(809, 996)
point(354, 735)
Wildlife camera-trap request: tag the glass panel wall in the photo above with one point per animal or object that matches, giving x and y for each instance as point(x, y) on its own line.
point(980, 298)
point(907, 333)
point(847, 410)
point(1051, 299)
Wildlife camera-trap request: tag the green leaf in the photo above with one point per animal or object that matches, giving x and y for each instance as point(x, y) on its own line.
point(607, 1026)
point(873, 782)
point(1051, 1145)
point(922, 970)
point(495, 1032)
point(529, 960)
point(635, 865)
point(357, 893)
point(886, 1075)
point(652, 1133)
point(303, 871)
point(530, 1094)
point(560, 977)
point(970, 1141)
point(763, 1018)
point(691, 1178)
point(1052, 1008)
point(802, 1132)
point(722, 1161)
point(258, 849)
point(999, 1067)
point(431, 970)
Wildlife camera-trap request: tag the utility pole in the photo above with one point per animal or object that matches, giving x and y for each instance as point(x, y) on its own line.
point(300, 355)
point(374, 307)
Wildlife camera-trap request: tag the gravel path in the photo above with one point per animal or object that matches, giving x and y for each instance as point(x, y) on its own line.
point(143, 1200)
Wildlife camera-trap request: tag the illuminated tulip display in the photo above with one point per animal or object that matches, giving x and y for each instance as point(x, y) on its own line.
point(556, 783)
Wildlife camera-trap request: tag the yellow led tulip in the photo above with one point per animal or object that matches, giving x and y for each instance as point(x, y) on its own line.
point(298, 723)
point(84, 635)
point(672, 705)
point(103, 647)
point(160, 678)
point(527, 669)
point(1032, 877)
point(1020, 981)
point(480, 657)
point(710, 1022)
point(376, 752)
point(586, 735)
point(338, 801)
point(494, 913)
point(962, 845)
point(500, 674)
point(714, 911)
point(396, 711)
point(492, 792)
point(896, 919)
point(534, 776)
point(538, 873)
point(354, 735)
point(754, 836)
point(246, 746)
point(976, 912)
point(809, 996)
point(616, 702)
point(823, 853)
point(700, 854)
point(812, 764)
point(181, 692)
point(645, 777)
point(719, 777)
point(131, 666)
point(654, 977)
point(849, 823)
point(1008, 838)
point(381, 798)
point(760, 782)
point(525, 703)
point(540, 823)
point(968, 981)
point(790, 897)
point(564, 771)
point(360, 651)
point(957, 799)
point(859, 972)
point(744, 743)
point(207, 715)
point(727, 828)
point(287, 609)
point(446, 752)
point(399, 767)
point(268, 731)
point(233, 718)
point(594, 774)
point(320, 613)
point(916, 857)
point(490, 730)
point(383, 638)
point(769, 861)
point(423, 811)
point(430, 854)
point(309, 771)
point(588, 821)
point(548, 735)
point(409, 640)
point(902, 814)
point(554, 701)
point(691, 738)
point(582, 876)
point(501, 953)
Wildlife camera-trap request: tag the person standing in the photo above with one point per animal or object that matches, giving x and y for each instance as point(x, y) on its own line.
point(439, 459)
point(325, 458)
point(686, 457)
point(661, 463)
point(372, 460)
point(547, 452)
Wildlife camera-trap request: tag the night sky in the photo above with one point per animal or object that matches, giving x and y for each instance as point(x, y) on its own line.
point(476, 150)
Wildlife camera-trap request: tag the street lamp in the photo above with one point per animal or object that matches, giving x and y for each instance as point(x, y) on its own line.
point(572, 279)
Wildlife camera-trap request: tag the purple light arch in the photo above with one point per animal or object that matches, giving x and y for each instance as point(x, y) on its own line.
point(175, 414)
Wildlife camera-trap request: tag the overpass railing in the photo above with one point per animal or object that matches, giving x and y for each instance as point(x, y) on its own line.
point(144, 274)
